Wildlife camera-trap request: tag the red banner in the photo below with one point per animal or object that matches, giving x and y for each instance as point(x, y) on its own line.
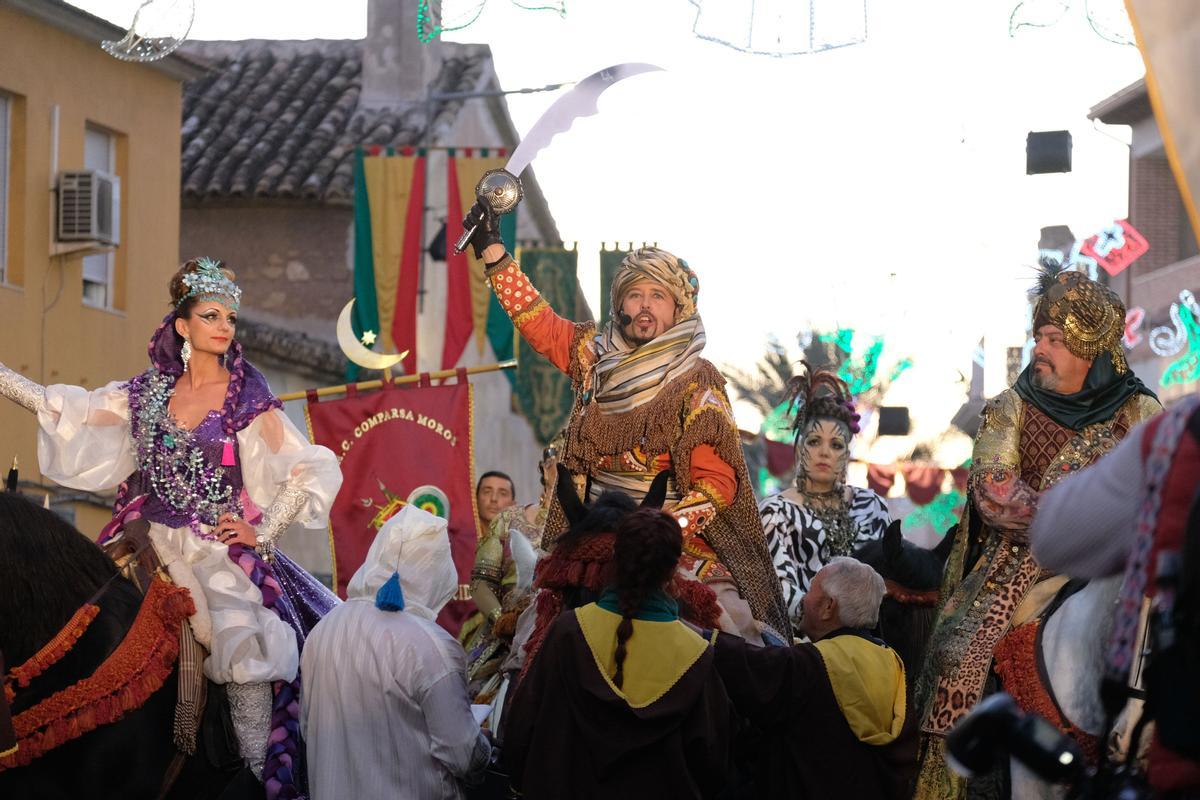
point(1115, 247)
point(396, 446)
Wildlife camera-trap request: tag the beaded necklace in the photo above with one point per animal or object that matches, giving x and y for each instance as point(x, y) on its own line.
point(169, 456)
point(831, 510)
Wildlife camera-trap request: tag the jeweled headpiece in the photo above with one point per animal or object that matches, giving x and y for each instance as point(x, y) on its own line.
point(209, 283)
point(1091, 315)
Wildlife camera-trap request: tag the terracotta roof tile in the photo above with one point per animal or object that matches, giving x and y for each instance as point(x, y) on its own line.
point(282, 119)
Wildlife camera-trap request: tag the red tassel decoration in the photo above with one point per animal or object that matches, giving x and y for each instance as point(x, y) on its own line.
point(227, 459)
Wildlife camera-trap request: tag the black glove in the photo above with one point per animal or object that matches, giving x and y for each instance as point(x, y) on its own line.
point(487, 227)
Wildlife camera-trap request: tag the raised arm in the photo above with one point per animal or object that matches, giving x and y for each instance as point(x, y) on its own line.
point(21, 390)
point(84, 440)
point(560, 340)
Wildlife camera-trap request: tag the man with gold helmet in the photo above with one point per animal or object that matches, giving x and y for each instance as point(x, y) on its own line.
point(1070, 406)
point(647, 402)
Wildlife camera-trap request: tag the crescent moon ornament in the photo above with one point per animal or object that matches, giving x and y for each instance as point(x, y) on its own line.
point(354, 349)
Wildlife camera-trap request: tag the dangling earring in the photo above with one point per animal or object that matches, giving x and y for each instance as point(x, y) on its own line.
point(186, 353)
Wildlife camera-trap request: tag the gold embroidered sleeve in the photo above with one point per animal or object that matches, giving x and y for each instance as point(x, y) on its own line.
point(489, 559)
point(997, 444)
point(1144, 407)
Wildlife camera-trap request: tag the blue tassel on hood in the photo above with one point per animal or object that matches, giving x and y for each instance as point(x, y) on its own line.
point(390, 596)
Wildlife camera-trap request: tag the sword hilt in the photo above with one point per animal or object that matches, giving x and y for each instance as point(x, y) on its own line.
point(502, 191)
point(465, 239)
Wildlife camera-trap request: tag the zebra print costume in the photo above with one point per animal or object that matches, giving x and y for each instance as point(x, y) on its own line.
point(798, 543)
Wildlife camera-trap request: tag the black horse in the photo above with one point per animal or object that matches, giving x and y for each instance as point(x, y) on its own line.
point(909, 609)
point(48, 570)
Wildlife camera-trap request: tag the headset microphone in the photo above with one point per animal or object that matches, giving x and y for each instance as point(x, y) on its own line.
point(624, 318)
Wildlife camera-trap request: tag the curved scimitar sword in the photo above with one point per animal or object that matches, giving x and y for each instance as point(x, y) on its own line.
point(502, 187)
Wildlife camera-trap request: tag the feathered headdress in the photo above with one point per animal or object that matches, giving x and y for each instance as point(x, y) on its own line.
point(820, 393)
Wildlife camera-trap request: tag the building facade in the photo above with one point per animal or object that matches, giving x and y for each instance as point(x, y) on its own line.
point(1157, 287)
point(80, 312)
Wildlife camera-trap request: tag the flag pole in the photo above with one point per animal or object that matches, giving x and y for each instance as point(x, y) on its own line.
point(329, 391)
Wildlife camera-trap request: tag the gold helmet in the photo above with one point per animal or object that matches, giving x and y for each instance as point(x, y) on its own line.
point(1091, 315)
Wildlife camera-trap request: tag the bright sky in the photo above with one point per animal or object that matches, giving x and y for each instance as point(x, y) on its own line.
point(880, 186)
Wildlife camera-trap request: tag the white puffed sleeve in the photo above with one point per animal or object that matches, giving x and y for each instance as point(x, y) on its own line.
point(276, 456)
point(85, 441)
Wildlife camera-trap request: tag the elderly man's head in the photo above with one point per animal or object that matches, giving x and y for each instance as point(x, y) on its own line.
point(652, 291)
point(846, 593)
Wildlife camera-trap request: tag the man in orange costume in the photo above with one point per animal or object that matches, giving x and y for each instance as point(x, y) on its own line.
point(645, 401)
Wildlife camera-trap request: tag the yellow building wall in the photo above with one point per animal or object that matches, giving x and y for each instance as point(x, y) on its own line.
point(46, 332)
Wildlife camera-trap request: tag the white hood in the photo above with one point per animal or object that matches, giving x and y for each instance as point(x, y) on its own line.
point(415, 544)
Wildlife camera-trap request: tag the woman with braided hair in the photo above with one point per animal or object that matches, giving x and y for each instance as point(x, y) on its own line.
point(202, 456)
point(623, 700)
point(820, 517)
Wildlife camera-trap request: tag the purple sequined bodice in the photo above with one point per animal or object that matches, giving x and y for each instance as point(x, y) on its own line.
point(209, 438)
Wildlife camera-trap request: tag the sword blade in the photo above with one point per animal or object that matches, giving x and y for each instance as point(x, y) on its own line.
point(580, 101)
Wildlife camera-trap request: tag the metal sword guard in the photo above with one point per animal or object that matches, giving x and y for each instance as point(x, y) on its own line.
point(503, 192)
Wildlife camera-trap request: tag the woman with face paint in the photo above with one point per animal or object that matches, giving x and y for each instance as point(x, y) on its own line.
point(820, 517)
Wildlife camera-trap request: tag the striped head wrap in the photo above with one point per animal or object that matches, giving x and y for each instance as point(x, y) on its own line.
point(650, 263)
point(626, 376)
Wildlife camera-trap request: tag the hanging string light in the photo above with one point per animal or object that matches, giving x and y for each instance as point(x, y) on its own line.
point(1108, 19)
point(452, 15)
point(782, 27)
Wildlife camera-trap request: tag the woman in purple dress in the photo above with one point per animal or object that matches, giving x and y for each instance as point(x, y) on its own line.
point(199, 447)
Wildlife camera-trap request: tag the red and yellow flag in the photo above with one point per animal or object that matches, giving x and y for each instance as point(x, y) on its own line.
point(389, 201)
point(467, 293)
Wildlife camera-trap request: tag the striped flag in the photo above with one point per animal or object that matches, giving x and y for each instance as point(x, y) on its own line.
point(389, 201)
point(471, 310)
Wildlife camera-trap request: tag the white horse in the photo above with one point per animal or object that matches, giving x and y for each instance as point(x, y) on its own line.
point(1073, 641)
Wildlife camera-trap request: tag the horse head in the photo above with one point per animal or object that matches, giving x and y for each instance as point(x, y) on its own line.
point(581, 563)
point(913, 575)
point(917, 569)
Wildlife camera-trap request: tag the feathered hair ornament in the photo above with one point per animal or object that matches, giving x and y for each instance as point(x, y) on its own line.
point(818, 393)
point(1048, 270)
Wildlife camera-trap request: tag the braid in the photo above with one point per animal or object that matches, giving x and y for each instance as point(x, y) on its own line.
point(624, 631)
point(647, 551)
point(237, 377)
point(820, 393)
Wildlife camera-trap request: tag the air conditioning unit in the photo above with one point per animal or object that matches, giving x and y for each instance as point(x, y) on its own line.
point(89, 207)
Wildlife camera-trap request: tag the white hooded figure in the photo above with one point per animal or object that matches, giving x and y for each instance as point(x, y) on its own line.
point(384, 706)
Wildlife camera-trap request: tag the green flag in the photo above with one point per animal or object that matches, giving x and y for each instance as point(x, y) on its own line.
point(609, 261)
point(541, 393)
